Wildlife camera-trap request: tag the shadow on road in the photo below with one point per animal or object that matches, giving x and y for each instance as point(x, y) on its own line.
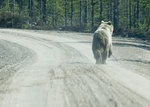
point(133, 45)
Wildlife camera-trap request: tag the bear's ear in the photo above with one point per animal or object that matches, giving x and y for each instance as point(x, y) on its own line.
point(102, 21)
point(109, 23)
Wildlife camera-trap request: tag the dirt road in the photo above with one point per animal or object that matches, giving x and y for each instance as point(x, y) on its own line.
point(57, 69)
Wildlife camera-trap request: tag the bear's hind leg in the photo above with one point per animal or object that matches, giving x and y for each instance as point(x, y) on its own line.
point(105, 56)
point(99, 60)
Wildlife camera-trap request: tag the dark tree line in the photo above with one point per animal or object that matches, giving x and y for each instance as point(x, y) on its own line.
point(129, 17)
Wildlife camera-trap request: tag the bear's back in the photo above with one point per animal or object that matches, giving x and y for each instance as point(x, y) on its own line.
point(105, 33)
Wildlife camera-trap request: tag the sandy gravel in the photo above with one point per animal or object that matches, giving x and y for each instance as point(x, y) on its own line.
point(57, 69)
point(12, 57)
point(12, 53)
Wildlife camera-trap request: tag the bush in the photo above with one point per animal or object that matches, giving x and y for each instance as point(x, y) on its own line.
point(10, 20)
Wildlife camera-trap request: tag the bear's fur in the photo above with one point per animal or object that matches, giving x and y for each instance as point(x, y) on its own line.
point(102, 42)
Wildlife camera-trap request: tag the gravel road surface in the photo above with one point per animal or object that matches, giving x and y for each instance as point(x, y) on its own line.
point(57, 69)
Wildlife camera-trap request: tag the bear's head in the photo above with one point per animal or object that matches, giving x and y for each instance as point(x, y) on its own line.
point(107, 25)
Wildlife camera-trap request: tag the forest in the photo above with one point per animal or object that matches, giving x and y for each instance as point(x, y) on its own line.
point(131, 18)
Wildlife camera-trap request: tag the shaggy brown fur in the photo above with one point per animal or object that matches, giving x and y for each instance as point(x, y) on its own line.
point(102, 42)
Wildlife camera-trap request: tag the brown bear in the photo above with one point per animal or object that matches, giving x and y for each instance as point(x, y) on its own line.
point(102, 42)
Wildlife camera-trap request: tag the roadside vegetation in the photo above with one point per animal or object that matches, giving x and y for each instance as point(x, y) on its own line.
point(131, 18)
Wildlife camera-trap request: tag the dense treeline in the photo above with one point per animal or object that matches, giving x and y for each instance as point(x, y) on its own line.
point(130, 17)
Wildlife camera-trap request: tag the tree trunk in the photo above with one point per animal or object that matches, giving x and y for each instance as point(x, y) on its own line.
point(115, 14)
point(65, 13)
point(127, 14)
point(30, 7)
point(134, 16)
point(110, 11)
point(92, 15)
point(85, 12)
point(54, 13)
point(138, 1)
point(101, 9)
point(71, 12)
point(130, 17)
point(80, 13)
point(118, 19)
point(44, 10)
point(14, 2)
point(20, 4)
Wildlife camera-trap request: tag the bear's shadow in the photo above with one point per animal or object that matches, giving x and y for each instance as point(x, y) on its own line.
point(133, 45)
point(134, 61)
point(76, 42)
